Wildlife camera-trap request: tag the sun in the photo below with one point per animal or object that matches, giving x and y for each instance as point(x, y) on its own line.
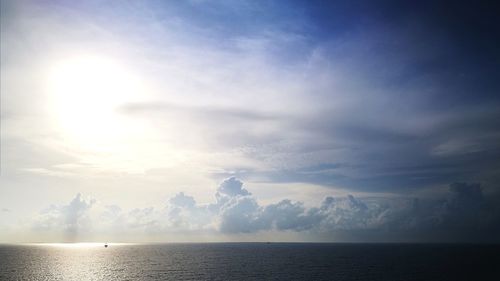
point(85, 94)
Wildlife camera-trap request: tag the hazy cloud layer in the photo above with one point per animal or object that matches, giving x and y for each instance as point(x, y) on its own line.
point(388, 102)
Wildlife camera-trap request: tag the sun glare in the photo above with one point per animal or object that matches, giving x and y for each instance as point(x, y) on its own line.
point(86, 92)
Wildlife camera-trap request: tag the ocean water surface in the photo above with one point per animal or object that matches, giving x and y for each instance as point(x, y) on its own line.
point(249, 261)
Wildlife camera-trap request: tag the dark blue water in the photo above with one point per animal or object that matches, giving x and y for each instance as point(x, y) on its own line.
point(251, 261)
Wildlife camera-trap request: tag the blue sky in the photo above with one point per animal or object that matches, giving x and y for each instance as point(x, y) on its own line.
point(249, 120)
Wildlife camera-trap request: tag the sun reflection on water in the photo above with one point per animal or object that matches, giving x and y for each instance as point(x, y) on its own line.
point(80, 244)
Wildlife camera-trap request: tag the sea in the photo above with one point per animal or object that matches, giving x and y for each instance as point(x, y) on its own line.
point(249, 261)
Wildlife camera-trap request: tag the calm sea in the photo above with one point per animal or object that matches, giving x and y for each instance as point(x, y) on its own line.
point(250, 261)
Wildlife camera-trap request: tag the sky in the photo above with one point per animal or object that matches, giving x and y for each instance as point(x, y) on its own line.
point(207, 121)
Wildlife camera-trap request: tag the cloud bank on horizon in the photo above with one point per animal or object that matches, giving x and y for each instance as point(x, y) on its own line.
point(342, 112)
point(459, 216)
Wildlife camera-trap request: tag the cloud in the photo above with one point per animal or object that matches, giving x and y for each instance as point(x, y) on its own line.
point(465, 206)
point(239, 214)
point(184, 214)
point(463, 213)
point(182, 200)
point(69, 219)
point(275, 96)
point(213, 113)
point(232, 187)
point(462, 208)
point(142, 218)
point(287, 215)
point(265, 93)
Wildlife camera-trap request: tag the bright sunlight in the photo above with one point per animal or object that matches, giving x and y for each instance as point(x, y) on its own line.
point(85, 93)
